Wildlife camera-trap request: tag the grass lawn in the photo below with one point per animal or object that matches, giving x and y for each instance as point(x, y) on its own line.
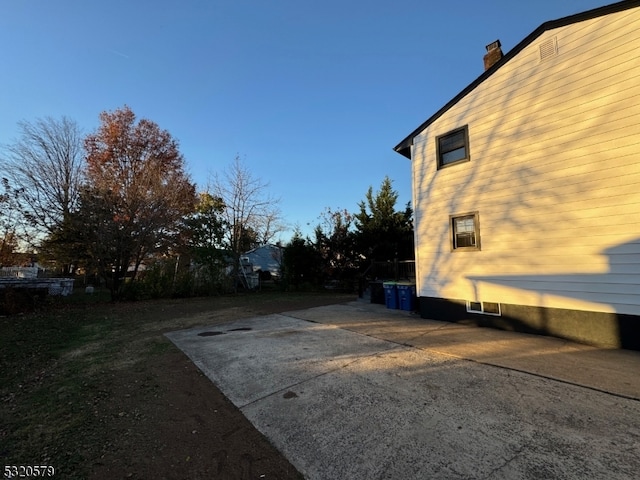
point(87, 386)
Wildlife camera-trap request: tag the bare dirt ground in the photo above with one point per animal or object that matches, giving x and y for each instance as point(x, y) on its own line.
point(125, 403)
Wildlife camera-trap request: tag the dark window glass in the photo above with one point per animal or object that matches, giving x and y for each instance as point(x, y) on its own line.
point(490, 307)
point(454, 156)
point(453, 147)
point(475, 306)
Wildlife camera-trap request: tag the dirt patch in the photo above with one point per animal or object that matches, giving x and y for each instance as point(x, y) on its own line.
point(101, 393)
point(167, 420)
point(164, 419)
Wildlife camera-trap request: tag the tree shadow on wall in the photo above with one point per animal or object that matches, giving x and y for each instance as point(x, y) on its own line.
point(617, 328)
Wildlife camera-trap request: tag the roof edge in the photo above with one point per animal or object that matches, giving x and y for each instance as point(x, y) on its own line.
point(404, 147)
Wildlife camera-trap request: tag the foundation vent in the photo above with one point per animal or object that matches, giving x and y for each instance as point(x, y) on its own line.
point(548, 49)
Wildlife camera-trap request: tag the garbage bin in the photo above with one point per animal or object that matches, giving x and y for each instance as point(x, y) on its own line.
point(406, 296)
point(390, 294)
point(377, 292)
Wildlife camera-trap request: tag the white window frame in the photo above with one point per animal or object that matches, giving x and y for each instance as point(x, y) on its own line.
point(472, 307)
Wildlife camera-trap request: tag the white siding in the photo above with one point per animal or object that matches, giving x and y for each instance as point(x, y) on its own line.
point(554, 175)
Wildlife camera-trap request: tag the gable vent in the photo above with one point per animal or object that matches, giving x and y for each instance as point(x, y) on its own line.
point(548, 49)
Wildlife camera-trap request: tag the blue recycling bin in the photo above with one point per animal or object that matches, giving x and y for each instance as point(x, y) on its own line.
point(390, 294)
point(406, 296)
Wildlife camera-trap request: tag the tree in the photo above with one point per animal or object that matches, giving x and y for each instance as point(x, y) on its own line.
point(92, 237)
point(204, 232)
point(8, 247)
point(335, 243)
point(63, 247)
point(205, 227)
point(9, 223)
point(301, 263)
point(138, 193)
point(382, 233)
point(45, 165)
point(251, 215)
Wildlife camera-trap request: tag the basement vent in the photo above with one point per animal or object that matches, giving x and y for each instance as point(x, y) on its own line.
point(548, 49)
point(487, 308)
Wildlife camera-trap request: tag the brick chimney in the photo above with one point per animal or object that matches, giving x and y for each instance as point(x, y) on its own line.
point(494, 54)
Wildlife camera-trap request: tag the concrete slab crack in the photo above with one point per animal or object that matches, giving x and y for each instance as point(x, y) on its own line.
point(505, 464)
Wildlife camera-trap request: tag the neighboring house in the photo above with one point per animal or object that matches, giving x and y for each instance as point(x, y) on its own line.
point(526, 186)
point(265, 259)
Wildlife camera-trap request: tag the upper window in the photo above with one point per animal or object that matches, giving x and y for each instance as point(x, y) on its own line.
point(453, 147)
point(465, 230)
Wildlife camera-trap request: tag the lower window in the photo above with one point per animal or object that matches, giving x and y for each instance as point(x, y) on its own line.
point(488, 308)
point(465, 231)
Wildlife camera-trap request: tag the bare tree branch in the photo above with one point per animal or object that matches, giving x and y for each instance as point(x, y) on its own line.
point(253, 216)
point(46, 164)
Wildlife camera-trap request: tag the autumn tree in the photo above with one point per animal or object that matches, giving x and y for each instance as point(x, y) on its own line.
point(45, 164)
point(382, 232)
point(138, 192)
point(251, 215)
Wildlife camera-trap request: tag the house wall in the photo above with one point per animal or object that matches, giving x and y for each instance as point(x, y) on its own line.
point(267, 258)
point(554, 175)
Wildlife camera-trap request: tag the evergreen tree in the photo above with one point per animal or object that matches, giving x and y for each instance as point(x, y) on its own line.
point(301, 264)
point(382, 233)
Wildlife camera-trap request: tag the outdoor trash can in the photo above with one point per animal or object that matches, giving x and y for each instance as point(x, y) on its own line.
point(377, 292)
point(406, 296)
point(390, 294)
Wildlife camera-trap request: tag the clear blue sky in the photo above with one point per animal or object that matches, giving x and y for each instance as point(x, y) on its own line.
point(313, 95)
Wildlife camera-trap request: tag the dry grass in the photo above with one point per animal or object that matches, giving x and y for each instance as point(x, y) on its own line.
point(59, 366)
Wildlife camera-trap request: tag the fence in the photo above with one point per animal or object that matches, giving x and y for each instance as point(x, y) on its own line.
point(19, 272)
point(53, 286)
point(397, 270)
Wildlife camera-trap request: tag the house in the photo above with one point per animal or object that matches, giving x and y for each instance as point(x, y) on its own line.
point(265, 260)
point(526, 186)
